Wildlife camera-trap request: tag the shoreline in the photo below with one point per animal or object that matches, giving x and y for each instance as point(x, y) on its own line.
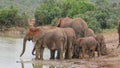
point(14, 32)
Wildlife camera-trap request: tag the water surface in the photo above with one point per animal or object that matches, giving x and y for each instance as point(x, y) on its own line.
point(10, 49)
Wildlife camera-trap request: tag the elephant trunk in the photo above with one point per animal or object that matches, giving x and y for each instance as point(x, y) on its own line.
point(24, 46)
point(33, 50)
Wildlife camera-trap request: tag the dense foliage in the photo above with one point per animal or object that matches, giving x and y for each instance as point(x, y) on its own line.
point(9, 17)
point(24, 6)
point(99, 14)
point(52, 9)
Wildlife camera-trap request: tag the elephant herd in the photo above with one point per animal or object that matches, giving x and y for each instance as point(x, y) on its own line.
point(71, 38)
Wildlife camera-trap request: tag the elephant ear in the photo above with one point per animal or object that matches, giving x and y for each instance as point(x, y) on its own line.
point(80, 40)
point(32, 31)
point(58, 22)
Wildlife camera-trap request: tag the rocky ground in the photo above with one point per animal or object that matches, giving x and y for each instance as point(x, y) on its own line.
point(112, 60)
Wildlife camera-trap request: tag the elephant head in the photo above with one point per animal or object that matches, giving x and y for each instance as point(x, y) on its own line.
point(33, 34)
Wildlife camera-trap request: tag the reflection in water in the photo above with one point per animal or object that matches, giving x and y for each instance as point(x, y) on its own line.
point(10, 49)
point(39, 66)
point(43, 66)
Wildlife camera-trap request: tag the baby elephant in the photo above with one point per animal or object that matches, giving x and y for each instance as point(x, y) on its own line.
point(86, 45)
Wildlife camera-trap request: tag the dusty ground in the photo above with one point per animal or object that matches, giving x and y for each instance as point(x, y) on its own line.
point(109, 61)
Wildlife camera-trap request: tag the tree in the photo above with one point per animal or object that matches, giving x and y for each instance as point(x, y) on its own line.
point(52, 9)
point(9, 17)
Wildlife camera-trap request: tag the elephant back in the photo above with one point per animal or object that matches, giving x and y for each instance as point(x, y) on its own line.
point(80, 26)
point(89, 32)
point(90, 41)
point(55, 36)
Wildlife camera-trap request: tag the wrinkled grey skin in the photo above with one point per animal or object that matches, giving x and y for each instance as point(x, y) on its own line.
point(71, 37)
point(101, 44)
point(54, 39)
point(87, 45)
point(30, 33)
point(34, 34)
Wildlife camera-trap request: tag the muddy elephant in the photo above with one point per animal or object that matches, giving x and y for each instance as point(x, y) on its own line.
point(54, 39)
point(89, 32)
point(29, 35)
point(86, 45)
point(101, 44)
point(71, 37)
point(78, 24)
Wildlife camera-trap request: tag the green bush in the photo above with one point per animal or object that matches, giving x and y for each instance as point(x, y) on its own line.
point(99, 15)
point(52, 9)
point(9, 17)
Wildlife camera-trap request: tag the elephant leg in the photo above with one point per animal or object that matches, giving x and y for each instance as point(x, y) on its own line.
point(70, 51)
point(37, 50)
point(66, 53)
point(33, 51)
point(93, 53)
point(89, 53)
point(61, 51)
point(58, 54)
point(99, 50)
point(61, 54)
point(41, 53)
point(83, 52)
point(80, 52)
point(52, 53)
point(75, 52)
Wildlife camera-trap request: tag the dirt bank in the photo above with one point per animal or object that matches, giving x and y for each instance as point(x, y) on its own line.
point(13, 32)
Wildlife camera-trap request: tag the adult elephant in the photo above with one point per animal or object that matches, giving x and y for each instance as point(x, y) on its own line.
point(71, 37)
point(54, 39)
point(78, 24)
point(29, 35)
point(102, 45)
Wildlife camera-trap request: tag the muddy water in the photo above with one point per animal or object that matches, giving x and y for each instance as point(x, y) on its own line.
point(10, 49)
